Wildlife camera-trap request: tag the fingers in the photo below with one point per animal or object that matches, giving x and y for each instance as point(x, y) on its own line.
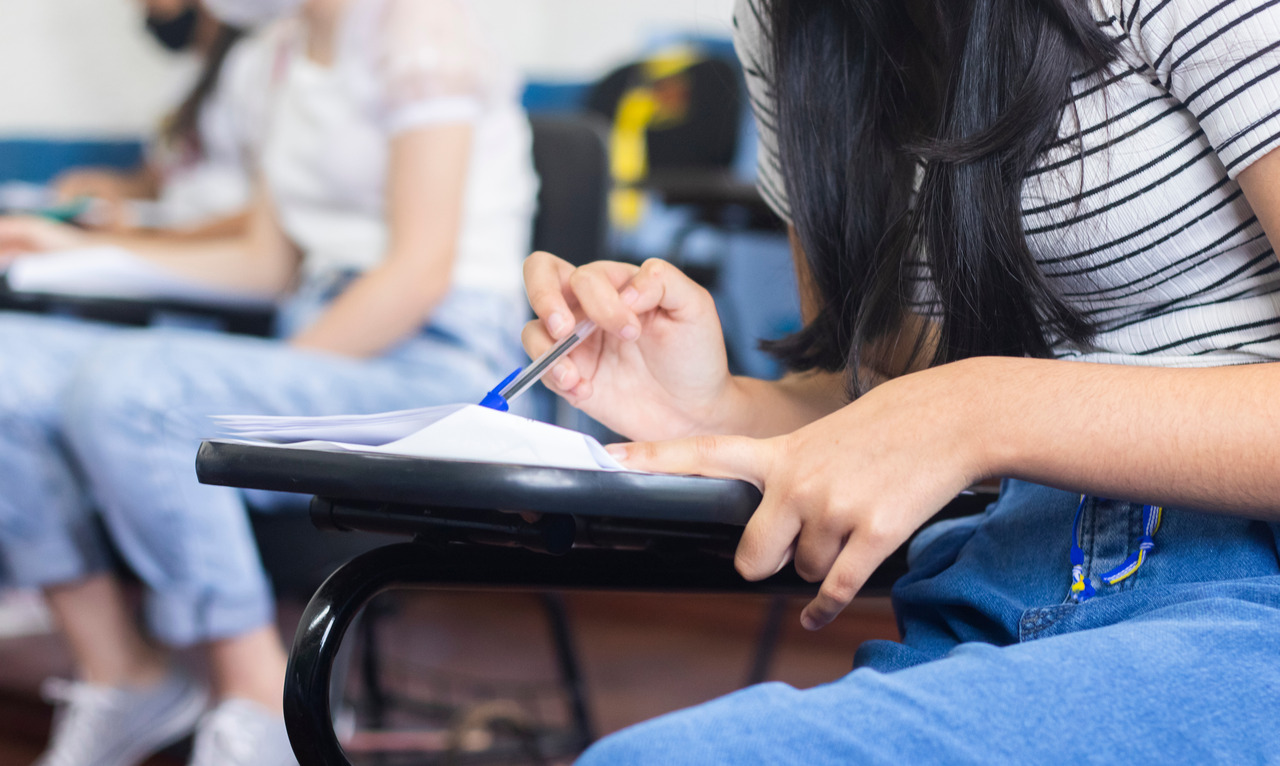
point(817, 548)
point(768, 542)
point(612, 294)
point(658, 284)
point(15, 235)
point(847, 576)
point(600, 289)
point(556, 288)
point(726, 457)
point(545, 278)
point(565, 375)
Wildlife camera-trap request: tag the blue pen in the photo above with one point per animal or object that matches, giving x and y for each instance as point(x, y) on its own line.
point(524, 377)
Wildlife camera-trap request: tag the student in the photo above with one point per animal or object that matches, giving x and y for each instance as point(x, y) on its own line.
point(1035, 239)
point(397, 192)
point(197, 170)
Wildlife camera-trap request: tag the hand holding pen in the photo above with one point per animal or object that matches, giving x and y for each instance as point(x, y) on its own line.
point(655, 368)
point(523, 378)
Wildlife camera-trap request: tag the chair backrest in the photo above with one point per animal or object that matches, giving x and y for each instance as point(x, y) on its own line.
point(571, 157)
point(707, 96)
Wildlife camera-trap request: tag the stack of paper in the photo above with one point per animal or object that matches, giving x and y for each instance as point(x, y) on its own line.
point(448, 432)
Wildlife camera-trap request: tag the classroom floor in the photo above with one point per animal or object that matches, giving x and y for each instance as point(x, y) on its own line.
point(642, 655)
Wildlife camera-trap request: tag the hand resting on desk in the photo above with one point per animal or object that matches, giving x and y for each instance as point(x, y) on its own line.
point(22, 234)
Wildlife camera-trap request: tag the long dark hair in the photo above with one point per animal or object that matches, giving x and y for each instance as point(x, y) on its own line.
point(868, 91)
point(182, 128)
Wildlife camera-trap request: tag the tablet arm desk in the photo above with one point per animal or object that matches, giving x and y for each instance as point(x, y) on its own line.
point(596, 531)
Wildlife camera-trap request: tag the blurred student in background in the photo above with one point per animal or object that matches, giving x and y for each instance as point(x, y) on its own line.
point(393, 208)
point(196, 176)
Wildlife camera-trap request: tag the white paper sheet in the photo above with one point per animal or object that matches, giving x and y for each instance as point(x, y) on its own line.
point(113, 272)
point(448, 432)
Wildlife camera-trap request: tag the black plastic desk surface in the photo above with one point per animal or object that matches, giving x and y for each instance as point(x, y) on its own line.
point(371, 477)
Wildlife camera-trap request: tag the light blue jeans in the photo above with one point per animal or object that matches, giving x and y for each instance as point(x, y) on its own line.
point(1178, 664)
point(100, 419)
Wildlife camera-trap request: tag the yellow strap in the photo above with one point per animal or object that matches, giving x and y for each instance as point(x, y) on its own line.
point(629, 156)
point(638, 109)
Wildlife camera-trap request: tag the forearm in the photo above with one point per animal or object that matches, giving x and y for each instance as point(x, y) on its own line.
point(383, 307)
point(232, 225)
point(764, 408)
point(231, 262)
point(1198, 438)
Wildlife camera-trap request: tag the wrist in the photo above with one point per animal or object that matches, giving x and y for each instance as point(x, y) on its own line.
point(987, 394)
point(724, 414)
point(969, 393)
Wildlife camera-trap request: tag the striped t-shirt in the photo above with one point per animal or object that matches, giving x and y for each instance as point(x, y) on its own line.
point(1148, 233)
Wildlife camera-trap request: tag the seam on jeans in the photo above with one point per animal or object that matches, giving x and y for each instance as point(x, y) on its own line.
point(1090, 542)
point(1038, 622)
point(1131, 543)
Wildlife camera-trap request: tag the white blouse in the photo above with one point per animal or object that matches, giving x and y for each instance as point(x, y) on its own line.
point(399, 65)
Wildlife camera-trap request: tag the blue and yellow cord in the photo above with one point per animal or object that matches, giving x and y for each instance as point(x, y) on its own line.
point(1082, 588)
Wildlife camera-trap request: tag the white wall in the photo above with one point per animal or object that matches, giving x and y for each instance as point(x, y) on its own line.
point(72, 68)
point(85, 68)
point(579, 39)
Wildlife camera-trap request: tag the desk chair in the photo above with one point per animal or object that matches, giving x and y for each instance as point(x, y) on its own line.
point(598, 531)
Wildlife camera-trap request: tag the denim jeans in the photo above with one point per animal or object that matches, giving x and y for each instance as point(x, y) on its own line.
point(101, 419)
point(1180, 663)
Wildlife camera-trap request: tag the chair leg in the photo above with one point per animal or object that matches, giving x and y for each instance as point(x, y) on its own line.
point(308, 713)
point(570, 671)
point(767, 643)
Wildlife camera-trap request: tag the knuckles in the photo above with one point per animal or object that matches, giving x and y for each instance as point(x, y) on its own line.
point(877, 534)
point(748, 568)
point(840, 588)
point(808, 572)
point(705, 448)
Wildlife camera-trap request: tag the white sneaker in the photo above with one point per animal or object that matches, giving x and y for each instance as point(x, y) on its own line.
point(24, 613)
point(242, 733)
point(119, 726)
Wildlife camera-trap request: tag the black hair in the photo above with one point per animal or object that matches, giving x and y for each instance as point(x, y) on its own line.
point(905, 129)
point(183, 126)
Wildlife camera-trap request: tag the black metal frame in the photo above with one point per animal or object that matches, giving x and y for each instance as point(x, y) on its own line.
point(463, 566)
point(514, 557)
point(618, 536)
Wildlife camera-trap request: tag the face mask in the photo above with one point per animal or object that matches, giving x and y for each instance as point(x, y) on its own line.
point(249, 13)
point(174, 33)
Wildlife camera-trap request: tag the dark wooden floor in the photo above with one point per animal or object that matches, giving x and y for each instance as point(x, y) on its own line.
point(642, 655)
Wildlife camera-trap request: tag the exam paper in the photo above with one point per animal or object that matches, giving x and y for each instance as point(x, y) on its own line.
point(113, 272)
point(448, 432)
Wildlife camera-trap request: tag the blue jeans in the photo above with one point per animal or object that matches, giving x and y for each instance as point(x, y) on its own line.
point(1180, 663)
point(100, 419)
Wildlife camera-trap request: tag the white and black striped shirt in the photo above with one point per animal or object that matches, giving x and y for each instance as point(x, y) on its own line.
point(1148, 234)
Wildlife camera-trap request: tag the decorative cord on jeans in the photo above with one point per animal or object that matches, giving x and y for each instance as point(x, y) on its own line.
point(1083, 588)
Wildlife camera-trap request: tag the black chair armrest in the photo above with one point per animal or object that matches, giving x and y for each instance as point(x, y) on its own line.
point(249, 319)
point(621, 534)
